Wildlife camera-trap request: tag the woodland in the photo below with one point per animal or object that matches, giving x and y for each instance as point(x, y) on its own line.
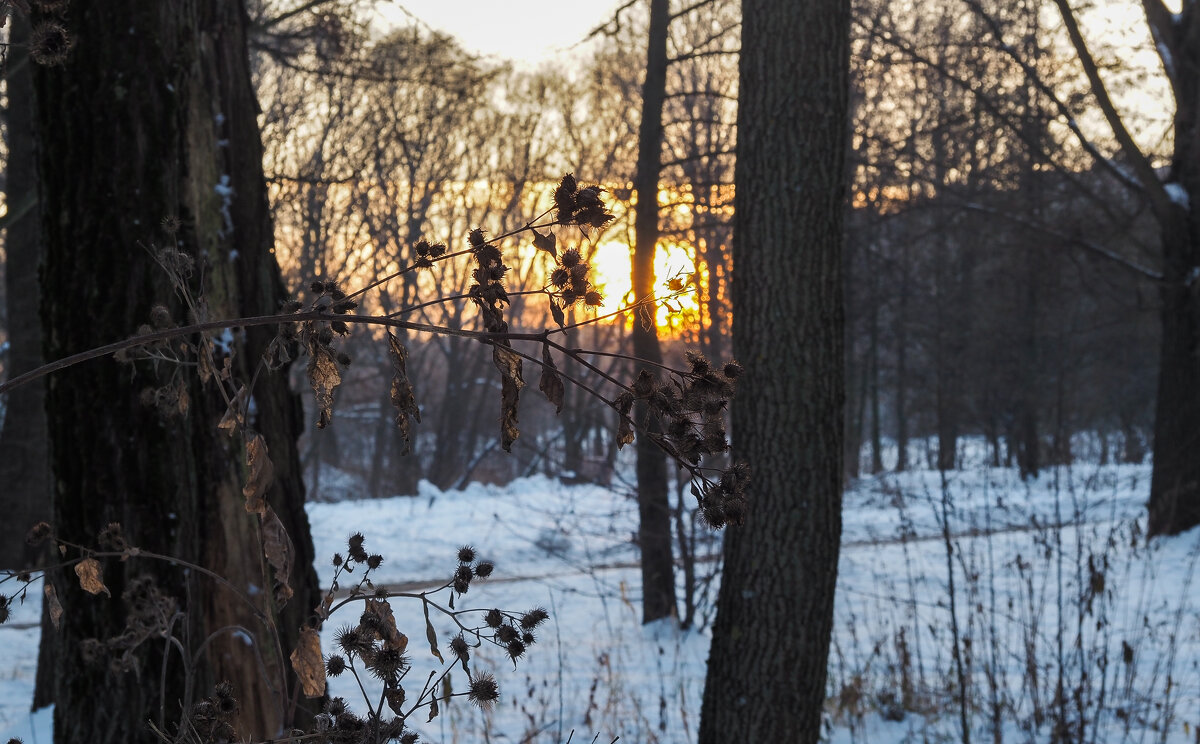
point(271, 266)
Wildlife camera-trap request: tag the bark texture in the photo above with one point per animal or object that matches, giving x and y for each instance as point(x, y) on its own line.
point(766, 670)
point(24, 458)
point(654, 508)
point(1175, 482)
point(153, 116)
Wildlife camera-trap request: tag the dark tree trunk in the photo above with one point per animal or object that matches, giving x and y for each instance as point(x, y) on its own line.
point(767, 666)
point(24, 459)
point(654, 507)
point(24, 445)
point(152, 116)
point(1175, 481)
point(873, 365)
point(902, 366)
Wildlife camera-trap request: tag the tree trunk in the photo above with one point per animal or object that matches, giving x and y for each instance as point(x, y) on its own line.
point(152, 116)
point(873, 366)
point(767, 666)
point(24, 458)
point(1175, 481)
point(902, 365)
point(654, 507)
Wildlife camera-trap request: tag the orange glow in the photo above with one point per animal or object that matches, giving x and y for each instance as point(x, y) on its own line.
point(678, 311)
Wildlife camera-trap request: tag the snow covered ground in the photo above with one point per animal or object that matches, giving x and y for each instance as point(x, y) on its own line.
point(1065, 619)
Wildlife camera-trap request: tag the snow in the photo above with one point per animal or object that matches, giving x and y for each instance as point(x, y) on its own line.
point(224, 189)
point(1178, 194)
point(596, 670)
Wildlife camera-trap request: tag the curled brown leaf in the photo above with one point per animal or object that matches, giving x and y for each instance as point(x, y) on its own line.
point(403, 398)
point(323, 376)
point(550, 383)
point(53, 606)
point(89, 572)
point(262, 474)
point(307, 663)
point(277, 546)
point(511, 381)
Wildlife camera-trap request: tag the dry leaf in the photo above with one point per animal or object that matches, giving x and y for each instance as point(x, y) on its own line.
point(545, 243)
point(388, 631)
point(431, 635)
point(395, 699)
point(262, 473)
point(235, 414)
point(550, 383)
point(182, 399)
point(403, 398)
point(204, 360)
point(509, 365)
point(307, 663)
point(433, 710)
point(53, 606)
point(624, 432)
point(557, 313)
point(88, 571)
point(323, 376)
point(277, 546)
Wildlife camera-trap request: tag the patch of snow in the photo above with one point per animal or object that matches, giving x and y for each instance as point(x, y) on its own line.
point(224, 190)
point(1178, 194)
point(596, 669)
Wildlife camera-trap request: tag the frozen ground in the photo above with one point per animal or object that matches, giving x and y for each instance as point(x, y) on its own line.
point(1066, 619)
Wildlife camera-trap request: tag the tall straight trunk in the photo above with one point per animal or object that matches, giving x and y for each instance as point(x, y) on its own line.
point(873, 383)
point(1028, 436)
point(24, 455)
point(654, 506)
point(1175, 482)
point(152, 116)
point(24, 444)
point(767, 665)
point(902, 366)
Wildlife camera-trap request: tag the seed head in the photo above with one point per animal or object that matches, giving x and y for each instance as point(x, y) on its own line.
point(484, 691)
point(49, 44)
point(484, 569)
point(460, 648)
point(374, 560)
point(516, 649)
point(335, 665)
point(38, 533)
point(534, 618)
point(507, 634)
point(493, 618)
point(466, 554)
point(336, 706)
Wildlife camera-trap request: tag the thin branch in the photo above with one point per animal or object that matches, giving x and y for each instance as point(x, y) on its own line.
point(1155, 189)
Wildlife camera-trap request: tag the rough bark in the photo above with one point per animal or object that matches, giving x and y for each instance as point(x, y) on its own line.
point(766, 670)
point(654, 507)
point(151, 112)
point(24, 456)
point(1175, 482)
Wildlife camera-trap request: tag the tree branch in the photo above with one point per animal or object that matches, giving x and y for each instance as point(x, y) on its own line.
point(1159, 199)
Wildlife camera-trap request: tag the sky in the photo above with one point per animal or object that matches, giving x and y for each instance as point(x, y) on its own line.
point(525, 31)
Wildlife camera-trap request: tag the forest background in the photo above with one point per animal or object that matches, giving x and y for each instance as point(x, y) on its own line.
point(1004, 268)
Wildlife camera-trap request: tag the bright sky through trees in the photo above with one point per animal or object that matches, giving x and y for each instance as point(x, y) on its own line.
point(525, 31)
